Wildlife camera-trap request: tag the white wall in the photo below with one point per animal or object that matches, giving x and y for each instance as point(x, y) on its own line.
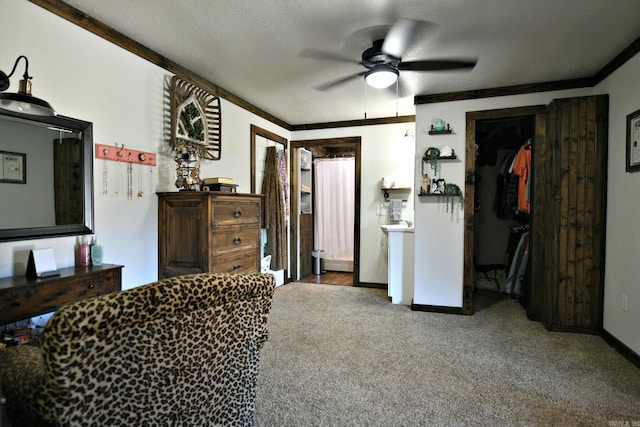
point(385, 152)
point(86, 77)
point(622, 276)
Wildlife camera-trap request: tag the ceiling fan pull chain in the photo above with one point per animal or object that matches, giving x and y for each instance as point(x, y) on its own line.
point(396, 98)
point(365, 99)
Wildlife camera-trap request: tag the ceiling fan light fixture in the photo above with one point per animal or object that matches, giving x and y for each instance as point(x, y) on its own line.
point(381, 76)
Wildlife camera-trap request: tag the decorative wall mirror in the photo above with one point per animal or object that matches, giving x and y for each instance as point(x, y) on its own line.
point(196, 119)
point(54, 193)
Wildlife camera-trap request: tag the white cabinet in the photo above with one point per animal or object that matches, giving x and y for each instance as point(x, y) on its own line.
point(400, 241)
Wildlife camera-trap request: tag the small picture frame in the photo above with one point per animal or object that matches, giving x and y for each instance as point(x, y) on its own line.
point(633, 142)
point(13, 167)
point(437, 186)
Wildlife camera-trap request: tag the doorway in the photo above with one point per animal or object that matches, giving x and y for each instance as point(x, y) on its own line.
point(501, 214)
point(302, 225)
point(484, 126)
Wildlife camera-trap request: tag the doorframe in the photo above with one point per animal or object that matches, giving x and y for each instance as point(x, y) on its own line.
point(294, 249)
point(539, 111)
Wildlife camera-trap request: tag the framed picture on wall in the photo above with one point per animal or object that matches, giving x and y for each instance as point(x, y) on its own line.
point(633, 141)
point(13, 167)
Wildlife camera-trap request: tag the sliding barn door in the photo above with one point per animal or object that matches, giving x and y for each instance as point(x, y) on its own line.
point(570, 174)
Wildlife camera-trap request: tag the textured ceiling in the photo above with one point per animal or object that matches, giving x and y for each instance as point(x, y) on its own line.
point(253, 48)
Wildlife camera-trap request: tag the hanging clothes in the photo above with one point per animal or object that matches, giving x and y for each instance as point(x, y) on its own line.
point(284, 181)
point(522, 168)
point(274, 211)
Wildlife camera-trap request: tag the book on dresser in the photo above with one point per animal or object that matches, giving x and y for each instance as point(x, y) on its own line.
point(217, 180)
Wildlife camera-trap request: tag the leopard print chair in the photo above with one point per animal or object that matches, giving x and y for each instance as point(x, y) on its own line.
point(182, 351)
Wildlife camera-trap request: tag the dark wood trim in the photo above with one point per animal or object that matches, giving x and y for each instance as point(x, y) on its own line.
point(258, 131)
point(438, 309)
point(372, 285)
point(617, 62)
point(96, 27)
point(504, 91)
point(353, 123)
point(507, 112)
point(614, 342)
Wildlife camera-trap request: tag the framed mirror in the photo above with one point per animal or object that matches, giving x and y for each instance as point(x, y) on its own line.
point(46, 176)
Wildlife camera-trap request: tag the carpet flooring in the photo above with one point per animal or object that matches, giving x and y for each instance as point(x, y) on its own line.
point(346, 356)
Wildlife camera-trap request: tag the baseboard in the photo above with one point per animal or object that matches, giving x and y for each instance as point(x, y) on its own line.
point(437, 309)
point(371, 285)
point(338, 265)
point(622, 349)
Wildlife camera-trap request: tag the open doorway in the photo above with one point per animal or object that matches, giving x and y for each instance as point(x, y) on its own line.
point(501, 219)
point(492, 136)
point(302, 224)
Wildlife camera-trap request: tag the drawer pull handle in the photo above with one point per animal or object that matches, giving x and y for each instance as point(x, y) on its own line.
point(237, 241)
point(237, 267)
point(237, 213)
point(91, 286)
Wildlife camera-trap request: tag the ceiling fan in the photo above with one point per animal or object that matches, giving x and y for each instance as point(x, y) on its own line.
point(383, 60)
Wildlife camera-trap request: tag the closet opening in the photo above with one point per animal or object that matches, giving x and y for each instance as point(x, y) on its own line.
point(498, 205)
point(502, 208)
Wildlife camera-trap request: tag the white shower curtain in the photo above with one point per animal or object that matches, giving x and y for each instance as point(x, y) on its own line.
point(334, 211)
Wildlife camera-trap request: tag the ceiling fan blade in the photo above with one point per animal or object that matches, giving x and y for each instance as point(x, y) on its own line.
point(327, 56)
point(400, 36)
point(438, 64)
point(334, 83)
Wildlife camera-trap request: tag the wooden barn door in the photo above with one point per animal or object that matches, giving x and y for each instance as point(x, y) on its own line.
point(570, 174)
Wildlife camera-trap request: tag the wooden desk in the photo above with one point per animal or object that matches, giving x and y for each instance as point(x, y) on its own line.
point(21, 297)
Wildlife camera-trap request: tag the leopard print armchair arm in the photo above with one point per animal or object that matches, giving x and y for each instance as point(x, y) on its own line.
point(180, 351)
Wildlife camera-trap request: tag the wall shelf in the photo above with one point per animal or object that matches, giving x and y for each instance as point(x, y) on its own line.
point(387, 189)
point(446, 131)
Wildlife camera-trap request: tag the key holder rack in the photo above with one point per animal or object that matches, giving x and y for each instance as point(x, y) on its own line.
point(121, 154)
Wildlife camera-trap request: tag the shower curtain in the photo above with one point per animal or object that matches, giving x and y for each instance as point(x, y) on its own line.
point(334, 211)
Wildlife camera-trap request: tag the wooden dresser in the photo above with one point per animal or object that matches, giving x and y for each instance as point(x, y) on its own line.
point(215, 232)
point(21, 297)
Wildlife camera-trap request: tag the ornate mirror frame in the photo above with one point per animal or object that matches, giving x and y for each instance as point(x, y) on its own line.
point(196, 119)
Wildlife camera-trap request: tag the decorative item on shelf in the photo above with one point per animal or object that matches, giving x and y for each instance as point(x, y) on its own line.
point(447, 151)
point(22, 101)
point(438, 186)
point(426, 184)
point(439, 127)
point(431, 155)
point(451, 191)
point(187, 168)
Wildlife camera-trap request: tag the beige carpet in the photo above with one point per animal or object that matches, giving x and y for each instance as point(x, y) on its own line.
point(344, 356)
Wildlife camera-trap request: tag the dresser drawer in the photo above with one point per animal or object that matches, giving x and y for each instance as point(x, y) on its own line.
point(233, 210)
point(43, 297)
point(227, 239)
point(235, 262)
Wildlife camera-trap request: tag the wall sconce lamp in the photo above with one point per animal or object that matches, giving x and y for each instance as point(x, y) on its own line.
point(23, 101)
